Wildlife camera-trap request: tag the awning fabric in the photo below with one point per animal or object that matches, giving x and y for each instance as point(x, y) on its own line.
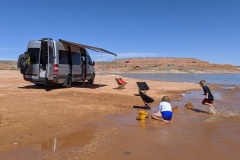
point(88, 47)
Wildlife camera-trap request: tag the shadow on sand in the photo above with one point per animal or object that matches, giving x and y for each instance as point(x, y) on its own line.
point(142, 107)
point(136, 94)
point(198, 110)
point(49, 87)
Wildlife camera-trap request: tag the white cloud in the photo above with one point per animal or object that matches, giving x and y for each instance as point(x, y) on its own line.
point(102, 57)
point(135, 54)
point(109, 57)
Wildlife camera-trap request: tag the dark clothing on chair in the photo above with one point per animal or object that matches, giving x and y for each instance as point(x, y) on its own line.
point(142, 86)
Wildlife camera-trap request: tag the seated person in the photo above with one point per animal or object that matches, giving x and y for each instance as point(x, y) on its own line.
point(165, 111)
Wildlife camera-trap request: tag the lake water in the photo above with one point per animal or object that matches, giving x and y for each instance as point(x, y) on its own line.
point(221, 79)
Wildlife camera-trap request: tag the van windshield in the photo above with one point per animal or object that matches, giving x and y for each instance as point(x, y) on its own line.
point(34, 55)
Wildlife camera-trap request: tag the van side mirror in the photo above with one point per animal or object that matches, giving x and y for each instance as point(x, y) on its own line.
point(93, 63)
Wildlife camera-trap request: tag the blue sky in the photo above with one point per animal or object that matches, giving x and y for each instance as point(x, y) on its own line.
point(204, 29)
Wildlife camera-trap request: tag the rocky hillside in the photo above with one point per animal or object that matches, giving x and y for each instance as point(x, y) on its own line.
point(8, 65)
point(189, 65)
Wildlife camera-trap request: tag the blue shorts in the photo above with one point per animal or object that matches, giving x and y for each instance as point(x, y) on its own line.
point(167, 115)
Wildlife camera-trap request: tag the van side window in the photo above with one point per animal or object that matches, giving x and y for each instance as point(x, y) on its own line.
point(63, 57)
point(76, 58)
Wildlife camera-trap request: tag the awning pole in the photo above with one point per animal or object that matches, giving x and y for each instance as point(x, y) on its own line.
point(101, 74)
point(115, 67)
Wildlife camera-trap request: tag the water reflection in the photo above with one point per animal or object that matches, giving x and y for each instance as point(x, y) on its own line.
point(49, 145)
point(75, 140)
point(142, 124)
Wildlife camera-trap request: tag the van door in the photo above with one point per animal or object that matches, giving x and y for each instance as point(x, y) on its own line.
point(33, 49)
point(89, 66)
point(83, 63)
point(76, 63)
point(50, 71)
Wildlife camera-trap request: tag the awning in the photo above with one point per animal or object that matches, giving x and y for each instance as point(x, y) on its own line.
point(88, 47)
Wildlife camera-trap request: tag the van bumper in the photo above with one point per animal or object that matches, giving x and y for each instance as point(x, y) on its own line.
point(44, 81)
point(38, 81)
point(27, 77)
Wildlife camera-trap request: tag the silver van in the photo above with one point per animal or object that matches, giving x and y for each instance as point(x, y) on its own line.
point(47, 61)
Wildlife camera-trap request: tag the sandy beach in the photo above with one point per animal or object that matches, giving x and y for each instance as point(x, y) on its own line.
point(98, 122)
point(31, 115)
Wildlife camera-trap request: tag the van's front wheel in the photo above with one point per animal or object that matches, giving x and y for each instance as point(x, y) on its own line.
point(68, 82)
point(91, 80)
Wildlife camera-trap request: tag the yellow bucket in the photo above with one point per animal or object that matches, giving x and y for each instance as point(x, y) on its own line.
point(142, 114)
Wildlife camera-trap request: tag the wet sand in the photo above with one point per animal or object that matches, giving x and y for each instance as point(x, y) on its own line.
point(98, 122)
point(192, 133)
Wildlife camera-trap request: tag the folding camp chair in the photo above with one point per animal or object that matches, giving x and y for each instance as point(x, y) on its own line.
point(142, 86)
point(121, 83)
point(146, 99)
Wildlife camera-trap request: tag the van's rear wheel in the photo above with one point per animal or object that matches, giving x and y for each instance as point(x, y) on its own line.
point(91, 80)
point(68, 81)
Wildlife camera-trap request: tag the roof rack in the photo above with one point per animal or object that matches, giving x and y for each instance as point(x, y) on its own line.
point(46, 39)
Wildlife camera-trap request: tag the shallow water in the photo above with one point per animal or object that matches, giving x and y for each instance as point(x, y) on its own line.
point(192, 134)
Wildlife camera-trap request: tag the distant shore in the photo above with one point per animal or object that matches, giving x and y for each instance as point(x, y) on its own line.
point(170, 71)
